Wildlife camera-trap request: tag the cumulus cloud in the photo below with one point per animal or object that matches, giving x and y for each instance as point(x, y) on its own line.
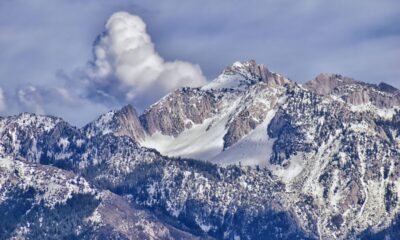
point(126, 66)
point(125, 69)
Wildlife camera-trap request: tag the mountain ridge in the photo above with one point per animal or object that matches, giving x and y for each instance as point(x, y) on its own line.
point(194, 111)
point(279, 160)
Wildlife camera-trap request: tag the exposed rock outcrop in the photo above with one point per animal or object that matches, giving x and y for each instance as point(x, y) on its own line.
point(355, 92)
point(123, 122)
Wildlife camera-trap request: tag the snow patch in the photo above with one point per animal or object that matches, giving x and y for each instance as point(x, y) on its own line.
point(385, 113)
point(291, 169)
point(254, 149)
point(202, 141)
point(7, 164)
point(63, 142)
point(95, 217)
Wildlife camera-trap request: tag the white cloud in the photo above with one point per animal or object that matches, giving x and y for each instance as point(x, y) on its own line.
point(126, 69)
point(126, 65)
point(2, 101)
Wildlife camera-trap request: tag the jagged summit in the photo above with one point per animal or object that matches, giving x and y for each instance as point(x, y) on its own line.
point(325, 83)
point(355, 92)
point(242, 74)
point(248, 69)
point(123, 122)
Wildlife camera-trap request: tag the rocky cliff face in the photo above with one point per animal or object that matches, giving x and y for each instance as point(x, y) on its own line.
point(178, 111)
point(124, 122)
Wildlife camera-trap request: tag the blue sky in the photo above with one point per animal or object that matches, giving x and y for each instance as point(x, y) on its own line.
point(45, 44)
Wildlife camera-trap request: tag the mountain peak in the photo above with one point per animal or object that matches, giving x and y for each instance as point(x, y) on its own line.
point(240, 75)
point(325, 83)
point(248, 69)
point(354, 92)
point(123, 122)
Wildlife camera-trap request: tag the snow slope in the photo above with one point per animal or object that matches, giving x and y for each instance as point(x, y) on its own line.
point(254, 149)
point(201, 141)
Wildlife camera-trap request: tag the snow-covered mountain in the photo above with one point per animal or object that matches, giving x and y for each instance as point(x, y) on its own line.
point(44, 202)
point(198, 198)
point(275, 160)
point(203, 123)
